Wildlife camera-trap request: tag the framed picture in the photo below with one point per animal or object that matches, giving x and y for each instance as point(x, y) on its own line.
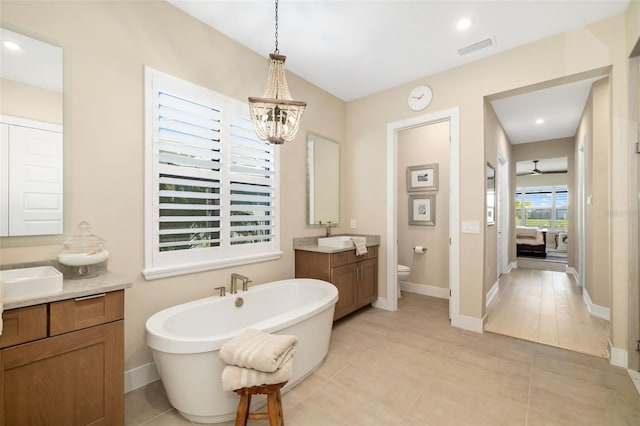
point(422, 209)
point(422, 178)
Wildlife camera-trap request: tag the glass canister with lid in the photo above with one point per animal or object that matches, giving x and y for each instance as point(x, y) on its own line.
point(83, 251)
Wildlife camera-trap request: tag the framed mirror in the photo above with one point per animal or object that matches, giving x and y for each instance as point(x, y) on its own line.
point(491, 195)
point(31, 144)
point(323, 180)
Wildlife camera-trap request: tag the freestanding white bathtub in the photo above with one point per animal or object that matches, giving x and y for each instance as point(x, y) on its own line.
point(185, 340)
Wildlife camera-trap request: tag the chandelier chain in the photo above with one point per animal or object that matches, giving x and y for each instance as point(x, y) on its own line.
point(277, 50)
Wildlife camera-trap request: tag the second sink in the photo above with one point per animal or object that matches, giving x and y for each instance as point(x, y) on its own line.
point(30, 282)
point(339, 241)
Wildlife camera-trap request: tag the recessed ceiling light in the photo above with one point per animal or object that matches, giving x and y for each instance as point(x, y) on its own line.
point(540, 121)
point(11, 45)
point(463, 24)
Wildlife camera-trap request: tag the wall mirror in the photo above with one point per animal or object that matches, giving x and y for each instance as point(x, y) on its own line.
point(323, 180)
point(31, 144)
point(491, 195)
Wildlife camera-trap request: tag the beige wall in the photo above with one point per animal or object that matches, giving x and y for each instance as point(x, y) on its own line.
point(591, 47)
point(633, 46)
point(424, 145)
point(34, 103)
point(633, 26)
point(496, 140)
point(596, 128)
point(106, 45)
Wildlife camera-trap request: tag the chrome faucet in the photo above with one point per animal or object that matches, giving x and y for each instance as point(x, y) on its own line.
point(329, 226)
point(234, 283)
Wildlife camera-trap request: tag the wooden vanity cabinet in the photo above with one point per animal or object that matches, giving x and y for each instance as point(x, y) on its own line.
point(72, 376)
point(356, 277)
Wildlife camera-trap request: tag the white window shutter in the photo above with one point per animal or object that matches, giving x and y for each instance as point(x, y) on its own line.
point(211, 183)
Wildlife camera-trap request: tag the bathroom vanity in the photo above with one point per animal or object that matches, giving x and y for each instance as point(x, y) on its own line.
point(356, 277)
point(62, 356)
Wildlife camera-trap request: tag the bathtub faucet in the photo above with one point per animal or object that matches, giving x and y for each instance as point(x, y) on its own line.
point(234, 283)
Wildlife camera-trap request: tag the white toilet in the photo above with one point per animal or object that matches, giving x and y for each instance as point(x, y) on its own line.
point(403, 274)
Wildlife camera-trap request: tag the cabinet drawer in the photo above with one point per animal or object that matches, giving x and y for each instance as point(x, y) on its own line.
point(23, 325)
point(343, 258)
point(83, 312)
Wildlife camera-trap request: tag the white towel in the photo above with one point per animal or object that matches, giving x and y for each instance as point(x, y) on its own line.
point(258, 350)
point(234, 377)
point(361, 245)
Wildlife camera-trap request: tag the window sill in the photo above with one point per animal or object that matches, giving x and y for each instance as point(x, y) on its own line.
point(158, 272)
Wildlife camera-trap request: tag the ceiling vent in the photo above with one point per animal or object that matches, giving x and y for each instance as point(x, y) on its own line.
point(491, 41)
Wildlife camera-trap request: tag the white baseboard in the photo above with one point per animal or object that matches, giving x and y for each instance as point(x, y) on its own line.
point(595, 310)
point(426, 290)
point(492, 292)
point(468, 323)
point(381, 303)
point(512, 266)
point(572, 271)
point(618, 357)
point(140, 376)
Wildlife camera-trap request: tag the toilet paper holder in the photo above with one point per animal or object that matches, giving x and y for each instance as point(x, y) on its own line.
point(419, 250)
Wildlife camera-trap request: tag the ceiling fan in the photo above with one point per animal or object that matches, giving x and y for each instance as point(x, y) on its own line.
point(535, 170)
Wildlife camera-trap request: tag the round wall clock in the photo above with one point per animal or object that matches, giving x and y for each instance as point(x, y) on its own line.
point(419, 98)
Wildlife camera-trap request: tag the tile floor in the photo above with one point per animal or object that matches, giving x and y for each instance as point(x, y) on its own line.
point(546, 307)
point(411, 368)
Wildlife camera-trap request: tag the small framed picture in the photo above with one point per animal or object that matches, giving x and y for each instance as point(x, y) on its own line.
point(422, 209)
point(422, 178)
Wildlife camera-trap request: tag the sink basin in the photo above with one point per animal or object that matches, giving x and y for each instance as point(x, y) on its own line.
point(340, 241)
point(30, 282)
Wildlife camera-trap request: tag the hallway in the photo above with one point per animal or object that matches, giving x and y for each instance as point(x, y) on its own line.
point(546, 307)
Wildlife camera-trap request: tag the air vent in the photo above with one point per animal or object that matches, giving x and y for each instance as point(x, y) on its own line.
point(477, 46)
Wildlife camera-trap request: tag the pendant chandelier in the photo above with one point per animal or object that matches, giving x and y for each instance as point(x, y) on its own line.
point(276, 116)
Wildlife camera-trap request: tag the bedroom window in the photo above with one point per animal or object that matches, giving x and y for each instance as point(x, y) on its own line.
point(543, 207)
point(211, 185)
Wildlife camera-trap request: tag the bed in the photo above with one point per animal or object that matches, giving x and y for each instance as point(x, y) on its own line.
point(531, 242)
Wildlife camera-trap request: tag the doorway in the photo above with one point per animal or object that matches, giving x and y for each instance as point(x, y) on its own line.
point(391, 301)
point(423, 209)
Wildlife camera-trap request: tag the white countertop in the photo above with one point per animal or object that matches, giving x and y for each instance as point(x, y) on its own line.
point(103, 283)
point(311, 244)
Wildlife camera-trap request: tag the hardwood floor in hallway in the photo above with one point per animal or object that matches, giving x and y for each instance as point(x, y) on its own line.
point(546, 307)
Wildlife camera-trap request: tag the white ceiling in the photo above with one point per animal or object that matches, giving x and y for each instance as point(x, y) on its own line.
point(560, 107)
point(356, 48)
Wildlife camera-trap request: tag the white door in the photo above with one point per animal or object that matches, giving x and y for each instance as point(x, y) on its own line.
point(35, 181)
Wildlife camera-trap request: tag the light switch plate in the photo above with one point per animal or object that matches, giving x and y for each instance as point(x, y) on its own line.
point(353, 224)
point(470, 227)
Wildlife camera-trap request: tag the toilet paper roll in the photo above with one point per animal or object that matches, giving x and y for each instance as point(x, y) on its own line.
point(420, 250)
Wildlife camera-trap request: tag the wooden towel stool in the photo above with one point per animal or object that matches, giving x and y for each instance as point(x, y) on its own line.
point(274, 404)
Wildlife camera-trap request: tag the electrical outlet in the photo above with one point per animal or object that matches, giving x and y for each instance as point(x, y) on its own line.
point(352, 225)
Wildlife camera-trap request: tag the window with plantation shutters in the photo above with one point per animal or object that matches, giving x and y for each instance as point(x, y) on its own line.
point(211, 184)
point(543, 207)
